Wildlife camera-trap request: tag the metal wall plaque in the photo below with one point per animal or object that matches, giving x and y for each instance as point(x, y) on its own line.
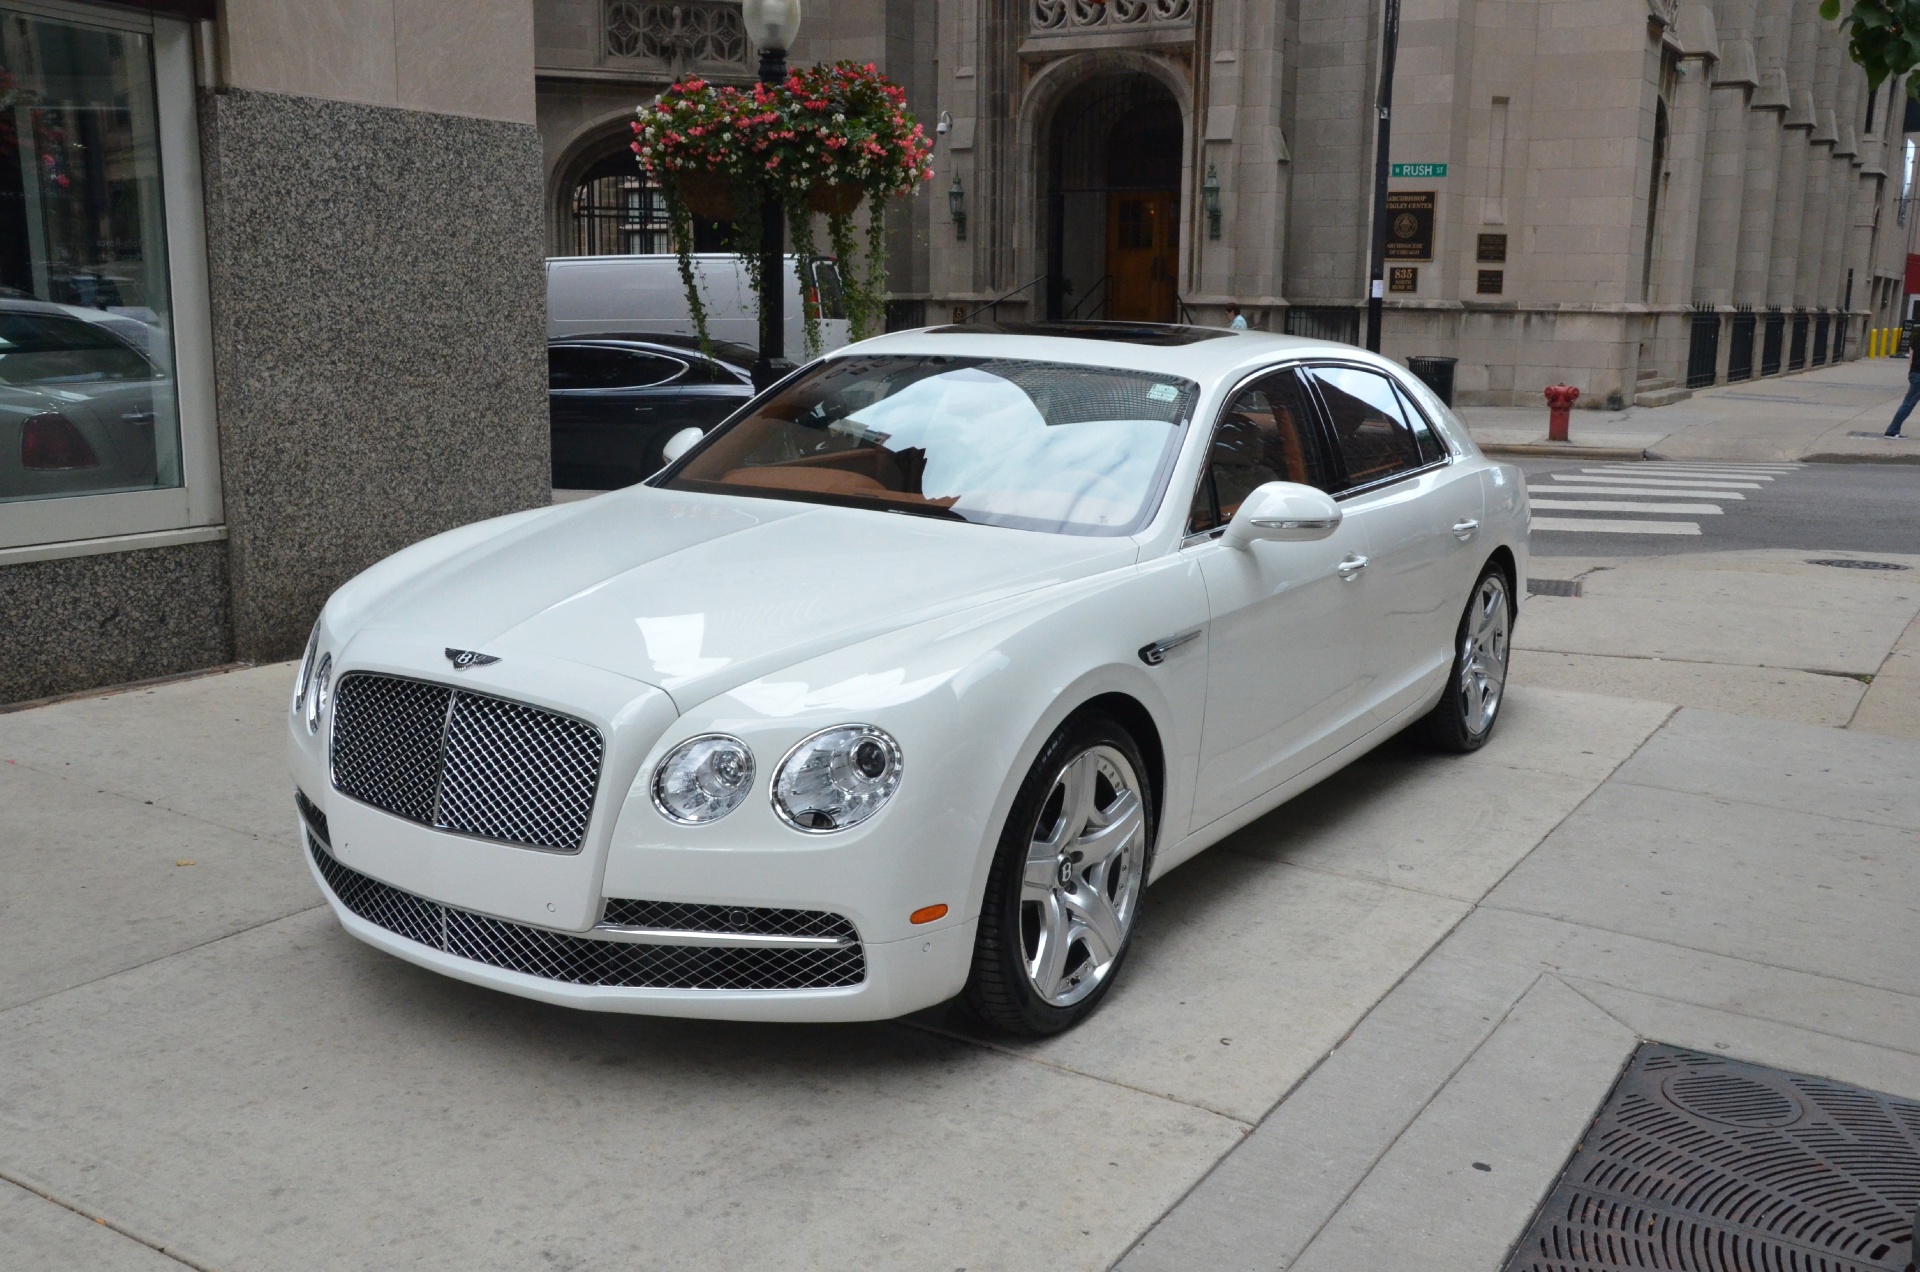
point(1403, 278)
point(1493, 249)
point(1492, 282)
point(1410, 225)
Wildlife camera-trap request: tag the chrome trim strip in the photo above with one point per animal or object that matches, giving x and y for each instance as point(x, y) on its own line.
point(676, 936)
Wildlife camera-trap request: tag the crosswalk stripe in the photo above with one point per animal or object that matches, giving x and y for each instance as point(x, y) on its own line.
point(1594, 525)
point(1643, 492)
point(1622, 505)
point(1691, 475)
point(1701, 482)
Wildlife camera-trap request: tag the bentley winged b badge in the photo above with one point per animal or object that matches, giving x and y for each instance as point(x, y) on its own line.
point(465, 658)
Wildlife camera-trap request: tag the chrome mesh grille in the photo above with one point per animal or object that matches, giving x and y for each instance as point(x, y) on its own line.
point(580, 960)
point(753, 920)
point(464, 761)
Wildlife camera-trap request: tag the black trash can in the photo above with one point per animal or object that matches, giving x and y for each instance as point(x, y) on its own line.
point(1436, 374)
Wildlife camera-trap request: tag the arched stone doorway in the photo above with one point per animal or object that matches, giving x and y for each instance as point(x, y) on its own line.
point(1113, 201)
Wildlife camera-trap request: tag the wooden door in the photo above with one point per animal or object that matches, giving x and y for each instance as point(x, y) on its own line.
point(1142, 233)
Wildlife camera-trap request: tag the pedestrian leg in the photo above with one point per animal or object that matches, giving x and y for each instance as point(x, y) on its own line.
point(1906, 405)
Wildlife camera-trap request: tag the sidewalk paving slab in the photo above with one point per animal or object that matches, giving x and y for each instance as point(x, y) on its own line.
point(290, 1098)
point(40, 1236)
point(1891, 704)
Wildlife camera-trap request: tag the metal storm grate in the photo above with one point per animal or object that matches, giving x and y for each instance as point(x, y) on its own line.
point(1553, 587)
point(1842, 563)
point(465, 762)
point(1711, 1165)
point(581, 960)
point(746, 920)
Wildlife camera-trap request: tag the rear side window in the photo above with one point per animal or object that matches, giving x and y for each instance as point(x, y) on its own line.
point(1432, 449)
point(599, 367)
point(1371, 424)
point(1266, 434)
point(828, 294)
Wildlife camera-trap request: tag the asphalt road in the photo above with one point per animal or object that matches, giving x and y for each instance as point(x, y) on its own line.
point(1817, 507)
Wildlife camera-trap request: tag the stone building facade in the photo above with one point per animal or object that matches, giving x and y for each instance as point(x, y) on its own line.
point(320, 225)
point(1624, 195)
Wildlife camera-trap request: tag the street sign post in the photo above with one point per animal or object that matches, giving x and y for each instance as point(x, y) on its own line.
point(1418, 170)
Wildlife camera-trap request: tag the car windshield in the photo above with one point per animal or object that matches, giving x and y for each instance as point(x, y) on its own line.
point(1030, 445)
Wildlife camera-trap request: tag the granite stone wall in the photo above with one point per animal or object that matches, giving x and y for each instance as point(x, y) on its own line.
point(107, 619)
point(379, 316)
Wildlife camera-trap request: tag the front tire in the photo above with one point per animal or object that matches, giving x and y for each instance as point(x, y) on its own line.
point(1463, 719)
point(1066, 882)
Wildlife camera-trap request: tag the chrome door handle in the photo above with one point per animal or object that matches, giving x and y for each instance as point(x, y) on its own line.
point(1464, 528)
point(1351, 567)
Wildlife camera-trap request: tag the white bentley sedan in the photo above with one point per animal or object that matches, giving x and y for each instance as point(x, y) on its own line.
point(903, 683)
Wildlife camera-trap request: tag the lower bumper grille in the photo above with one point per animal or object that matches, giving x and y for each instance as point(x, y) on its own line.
point(580, 960)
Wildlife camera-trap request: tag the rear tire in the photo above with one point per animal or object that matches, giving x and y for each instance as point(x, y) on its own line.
point(1463, 719)
point(1066, 882)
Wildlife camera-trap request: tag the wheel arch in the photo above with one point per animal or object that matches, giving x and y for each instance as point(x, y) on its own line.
point(1139, 723)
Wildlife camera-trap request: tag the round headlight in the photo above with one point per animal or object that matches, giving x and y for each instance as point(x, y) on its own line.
point(837, 778)
point(317, 692)
point(703, 779)
point(306, 670)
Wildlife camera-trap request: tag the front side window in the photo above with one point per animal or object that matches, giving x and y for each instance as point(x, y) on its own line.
point(999, 441)
point(598, 367)
point(1267, 433)
point(87, 400)
point(1373, 428)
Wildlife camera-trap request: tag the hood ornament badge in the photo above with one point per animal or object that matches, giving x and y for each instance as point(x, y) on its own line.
point(465, 658)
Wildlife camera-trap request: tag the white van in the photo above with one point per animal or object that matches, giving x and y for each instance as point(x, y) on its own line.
point(587, 295)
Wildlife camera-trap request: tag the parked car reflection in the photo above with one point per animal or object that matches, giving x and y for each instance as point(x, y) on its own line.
point(77, 406)
point(614, 400)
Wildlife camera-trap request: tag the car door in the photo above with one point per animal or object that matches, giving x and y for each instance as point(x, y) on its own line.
point(1284, 676)
point(1421, 515)
point(604, 410)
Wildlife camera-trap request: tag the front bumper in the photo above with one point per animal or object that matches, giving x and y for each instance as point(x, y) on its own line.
point(811, 979)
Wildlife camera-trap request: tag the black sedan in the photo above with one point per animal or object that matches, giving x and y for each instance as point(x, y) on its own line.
point(615, 399)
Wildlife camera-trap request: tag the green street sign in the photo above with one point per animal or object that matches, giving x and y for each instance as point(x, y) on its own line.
point(1418, 170)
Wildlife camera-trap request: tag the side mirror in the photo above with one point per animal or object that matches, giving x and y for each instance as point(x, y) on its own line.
point(680, 443)
point(1286, 511)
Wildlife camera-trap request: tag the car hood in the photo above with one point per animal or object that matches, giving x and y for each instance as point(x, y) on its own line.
point(699, 593)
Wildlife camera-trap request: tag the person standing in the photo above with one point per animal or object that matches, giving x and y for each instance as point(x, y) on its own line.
point(1912, 399)
point(1238, 320)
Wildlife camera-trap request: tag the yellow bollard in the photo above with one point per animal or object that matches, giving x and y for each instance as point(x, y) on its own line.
point(1878, 342)
point(1873, 342)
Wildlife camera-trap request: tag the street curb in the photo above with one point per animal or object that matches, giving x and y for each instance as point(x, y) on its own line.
point(1834, 457)
point(1559, 450)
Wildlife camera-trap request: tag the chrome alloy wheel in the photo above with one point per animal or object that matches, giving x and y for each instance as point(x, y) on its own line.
point(1081, 885)
point(1483, 654)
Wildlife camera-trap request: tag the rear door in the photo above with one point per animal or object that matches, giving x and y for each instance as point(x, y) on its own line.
point(1421, 513)
point(1286, 671)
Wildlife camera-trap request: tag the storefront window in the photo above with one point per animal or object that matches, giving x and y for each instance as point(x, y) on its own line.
point(87, 384)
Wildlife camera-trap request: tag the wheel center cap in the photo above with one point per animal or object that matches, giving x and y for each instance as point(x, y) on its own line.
point(1066, 874)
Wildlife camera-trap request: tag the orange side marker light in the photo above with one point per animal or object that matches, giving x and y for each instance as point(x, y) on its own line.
point(928, 913)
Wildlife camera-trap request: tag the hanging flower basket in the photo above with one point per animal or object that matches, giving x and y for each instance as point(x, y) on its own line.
point(821, 143)
point(839, 199)
point(707, 194)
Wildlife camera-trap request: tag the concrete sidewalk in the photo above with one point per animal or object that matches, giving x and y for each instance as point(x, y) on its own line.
point(1815, 415)
point(1425, 963)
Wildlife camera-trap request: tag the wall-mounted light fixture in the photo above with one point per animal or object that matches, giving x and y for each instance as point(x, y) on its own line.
point(1210, 190)
point(957, 205)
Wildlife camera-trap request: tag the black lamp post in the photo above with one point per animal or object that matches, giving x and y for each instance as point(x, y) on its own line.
point(1383, 107)
point(771, 25)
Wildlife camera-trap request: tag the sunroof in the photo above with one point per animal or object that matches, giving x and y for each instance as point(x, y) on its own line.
point(1140, 333)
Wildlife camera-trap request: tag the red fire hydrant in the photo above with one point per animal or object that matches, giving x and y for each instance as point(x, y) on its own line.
point(1560, 400)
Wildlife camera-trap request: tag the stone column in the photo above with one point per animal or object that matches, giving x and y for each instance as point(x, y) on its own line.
point(1686, 158)
point(1759, 192)
point(1816, 210)
point(1790, 201)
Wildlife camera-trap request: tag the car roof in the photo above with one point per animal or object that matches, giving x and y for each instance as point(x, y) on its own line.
point(1219, 353)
